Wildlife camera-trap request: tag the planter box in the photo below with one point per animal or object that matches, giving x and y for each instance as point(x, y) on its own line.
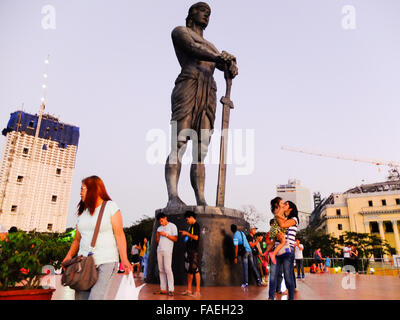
point(27, 294)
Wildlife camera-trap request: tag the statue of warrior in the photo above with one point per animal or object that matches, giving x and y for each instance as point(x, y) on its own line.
point(193, 100)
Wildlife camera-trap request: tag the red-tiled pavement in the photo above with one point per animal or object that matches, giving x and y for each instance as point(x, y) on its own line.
point(313, 287)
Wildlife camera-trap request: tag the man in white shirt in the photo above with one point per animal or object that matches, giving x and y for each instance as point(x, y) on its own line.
point(167, 234)
point(298, 255)
point(135, 258)
point(346, 255)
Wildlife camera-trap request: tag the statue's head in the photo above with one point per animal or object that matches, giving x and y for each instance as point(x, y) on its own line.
point(199, 14)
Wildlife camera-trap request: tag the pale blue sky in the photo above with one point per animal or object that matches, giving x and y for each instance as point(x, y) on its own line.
point(303, 81)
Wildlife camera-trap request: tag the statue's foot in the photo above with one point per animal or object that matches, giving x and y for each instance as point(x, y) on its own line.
point(175, 202)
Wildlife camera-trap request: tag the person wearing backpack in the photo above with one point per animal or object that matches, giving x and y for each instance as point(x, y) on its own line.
point(243, 249)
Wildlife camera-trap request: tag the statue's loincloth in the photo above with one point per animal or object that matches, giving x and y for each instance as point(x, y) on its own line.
point(194, 95)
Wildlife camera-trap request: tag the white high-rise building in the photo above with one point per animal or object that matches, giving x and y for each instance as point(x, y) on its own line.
point(300, 195)
point(36, 172)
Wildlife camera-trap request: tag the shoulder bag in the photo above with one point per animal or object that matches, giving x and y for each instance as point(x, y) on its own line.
point(241, 248)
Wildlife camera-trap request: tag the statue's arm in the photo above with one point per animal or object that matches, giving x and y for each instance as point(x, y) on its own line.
point(182, 39)
point(220, 65)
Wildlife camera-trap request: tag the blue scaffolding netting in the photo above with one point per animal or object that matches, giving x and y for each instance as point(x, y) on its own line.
point(50, 128)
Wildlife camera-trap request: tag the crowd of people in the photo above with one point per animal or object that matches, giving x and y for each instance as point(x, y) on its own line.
point(274, 256)
point(271, 258)
point(323, 265)
point(111, 256)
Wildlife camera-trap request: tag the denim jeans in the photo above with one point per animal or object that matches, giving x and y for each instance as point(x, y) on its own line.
point(286, 262)
point(246, 259)
point(279, 279)
point(300, 267)
point(100, 288)
point(294, 275)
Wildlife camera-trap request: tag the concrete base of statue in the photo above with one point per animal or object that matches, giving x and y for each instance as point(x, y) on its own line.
point(216, 248)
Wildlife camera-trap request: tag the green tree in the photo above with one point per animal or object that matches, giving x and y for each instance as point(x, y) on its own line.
point(141, 229)
point(314, 239)
point(368, 245)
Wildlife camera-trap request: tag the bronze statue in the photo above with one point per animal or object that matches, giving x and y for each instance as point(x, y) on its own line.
point(193, 100)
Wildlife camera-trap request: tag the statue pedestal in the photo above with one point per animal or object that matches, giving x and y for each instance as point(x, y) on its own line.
point(216, 246)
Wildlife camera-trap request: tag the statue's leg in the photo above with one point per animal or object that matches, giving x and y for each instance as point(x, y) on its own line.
point(197, 179)
point(172, 173)
point(197, 169)
point(174, 163)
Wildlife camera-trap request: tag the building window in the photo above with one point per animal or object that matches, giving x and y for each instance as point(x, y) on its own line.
point(397, 201)
point(14, 208)
point(383, 202)
point(30, 125)
point(20, 179)
point(58, 171)
point(25, 151)
point(340, 227)
point(50, 227)
point(374, 227)
point(388, 226)
point(338, 212)
point(370, 203)
point(53, 198)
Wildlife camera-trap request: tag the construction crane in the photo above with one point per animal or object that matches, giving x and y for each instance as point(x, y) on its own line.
point(394, 166)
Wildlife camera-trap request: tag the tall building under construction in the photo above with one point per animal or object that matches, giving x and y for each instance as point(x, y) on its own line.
point(36, 172)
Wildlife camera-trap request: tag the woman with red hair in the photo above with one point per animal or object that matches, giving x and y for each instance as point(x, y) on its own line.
point(111, 241)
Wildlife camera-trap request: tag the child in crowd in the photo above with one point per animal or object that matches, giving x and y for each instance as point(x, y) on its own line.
point(327, 264)
point(276, 232)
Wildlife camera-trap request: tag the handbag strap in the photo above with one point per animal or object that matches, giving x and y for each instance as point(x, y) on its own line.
point(97, 228)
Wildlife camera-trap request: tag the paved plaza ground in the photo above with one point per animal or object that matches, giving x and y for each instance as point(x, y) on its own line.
point(313, 287)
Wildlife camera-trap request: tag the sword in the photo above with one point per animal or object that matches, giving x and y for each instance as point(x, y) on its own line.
point(227, 106)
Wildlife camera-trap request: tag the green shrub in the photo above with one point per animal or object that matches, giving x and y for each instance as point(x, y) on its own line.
point(23, 256)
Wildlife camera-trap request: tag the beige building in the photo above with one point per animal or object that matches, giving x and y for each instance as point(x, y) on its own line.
point(372, 208)
point(36, 172)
